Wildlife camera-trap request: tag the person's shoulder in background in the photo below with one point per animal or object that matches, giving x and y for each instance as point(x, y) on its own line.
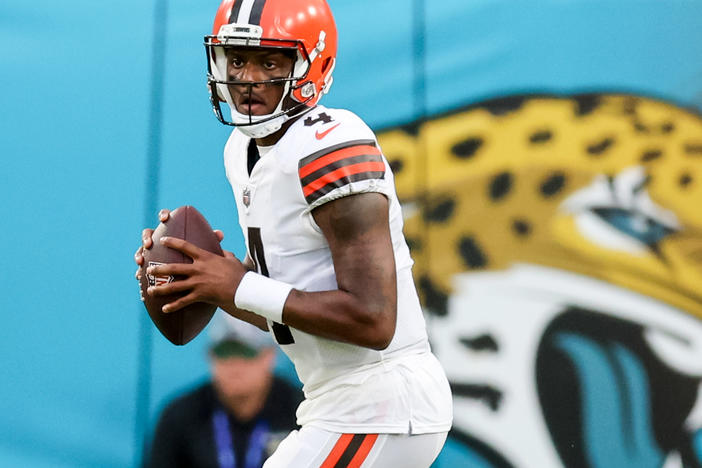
point(194, 403)
point(282, 404)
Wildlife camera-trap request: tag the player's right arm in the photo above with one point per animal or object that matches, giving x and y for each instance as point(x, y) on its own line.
point(363, 310)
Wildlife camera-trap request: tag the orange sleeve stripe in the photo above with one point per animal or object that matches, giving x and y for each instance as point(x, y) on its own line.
point(363, 451)
point(345, 171)
point(335, 156)
point(337, 451)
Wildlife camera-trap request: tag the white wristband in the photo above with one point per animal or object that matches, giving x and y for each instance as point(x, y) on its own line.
point(263, 296)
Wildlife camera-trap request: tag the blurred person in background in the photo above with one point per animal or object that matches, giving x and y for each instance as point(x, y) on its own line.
point(237, 418)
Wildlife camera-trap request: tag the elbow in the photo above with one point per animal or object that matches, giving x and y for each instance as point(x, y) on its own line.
point(382, 332)
point(381, 344)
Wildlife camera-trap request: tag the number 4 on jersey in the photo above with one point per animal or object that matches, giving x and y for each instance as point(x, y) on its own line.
point(321, 117)
point(282, 333)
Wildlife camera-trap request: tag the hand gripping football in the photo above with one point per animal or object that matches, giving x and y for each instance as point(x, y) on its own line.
point(182, 325)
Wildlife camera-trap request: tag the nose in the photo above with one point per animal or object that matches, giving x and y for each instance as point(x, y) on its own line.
point(249, 72)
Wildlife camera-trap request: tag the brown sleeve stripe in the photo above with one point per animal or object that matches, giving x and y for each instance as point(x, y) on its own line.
point(308, 159)
point(341, 177)
point(336, 164)
point(339, 165)
point(322, 158)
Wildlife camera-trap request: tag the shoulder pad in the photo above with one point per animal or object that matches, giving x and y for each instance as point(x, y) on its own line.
point(319, 130)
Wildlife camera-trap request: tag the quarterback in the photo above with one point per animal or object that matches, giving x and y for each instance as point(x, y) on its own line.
point(327, 270)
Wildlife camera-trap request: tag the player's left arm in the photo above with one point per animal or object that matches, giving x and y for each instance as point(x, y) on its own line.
point(363, 310)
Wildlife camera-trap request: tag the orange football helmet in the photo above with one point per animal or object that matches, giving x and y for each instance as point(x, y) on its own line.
point(305, 27)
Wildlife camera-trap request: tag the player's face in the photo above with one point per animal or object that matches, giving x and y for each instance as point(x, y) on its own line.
point(255, 64)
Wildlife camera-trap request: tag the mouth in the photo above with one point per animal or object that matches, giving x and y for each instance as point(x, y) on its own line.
point(251, 104)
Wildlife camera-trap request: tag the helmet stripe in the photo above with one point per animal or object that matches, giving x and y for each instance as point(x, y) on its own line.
point(244, 12)
point(247, 12)
point(256, 12)
point(236, 8)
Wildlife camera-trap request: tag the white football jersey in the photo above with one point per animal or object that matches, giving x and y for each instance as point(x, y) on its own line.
point(325, 155)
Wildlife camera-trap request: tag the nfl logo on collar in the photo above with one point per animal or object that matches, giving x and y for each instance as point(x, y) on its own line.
point(246, 197)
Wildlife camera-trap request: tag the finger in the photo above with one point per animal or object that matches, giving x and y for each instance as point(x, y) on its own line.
point(170, 269)
point(191, 250)
point(174, 287)
point(228, 254)
point(219, 234)
point(179, 303)
point(163, 215)
point(139, 256)
point(146, 240)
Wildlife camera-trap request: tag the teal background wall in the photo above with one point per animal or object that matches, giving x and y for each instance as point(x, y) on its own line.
point(81, 126)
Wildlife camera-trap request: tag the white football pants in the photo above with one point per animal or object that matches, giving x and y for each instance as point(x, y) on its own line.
point(312, 447)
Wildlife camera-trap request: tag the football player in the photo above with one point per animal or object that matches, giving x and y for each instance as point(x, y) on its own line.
point(328, 270)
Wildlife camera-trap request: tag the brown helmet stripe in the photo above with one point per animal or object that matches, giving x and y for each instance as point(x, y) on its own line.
point(236, 8)
point(256, 12)
point(247, 12)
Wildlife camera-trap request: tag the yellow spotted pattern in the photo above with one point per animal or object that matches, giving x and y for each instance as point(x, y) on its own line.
point(482, 188)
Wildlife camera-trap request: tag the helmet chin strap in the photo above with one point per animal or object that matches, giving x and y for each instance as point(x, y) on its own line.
point(258, 129)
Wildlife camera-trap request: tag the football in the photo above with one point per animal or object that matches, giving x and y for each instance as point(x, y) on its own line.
point(183, 325)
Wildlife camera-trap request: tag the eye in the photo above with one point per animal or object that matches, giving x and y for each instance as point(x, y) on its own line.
point(236, 62)
point(637, 225)
point(270, 65)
